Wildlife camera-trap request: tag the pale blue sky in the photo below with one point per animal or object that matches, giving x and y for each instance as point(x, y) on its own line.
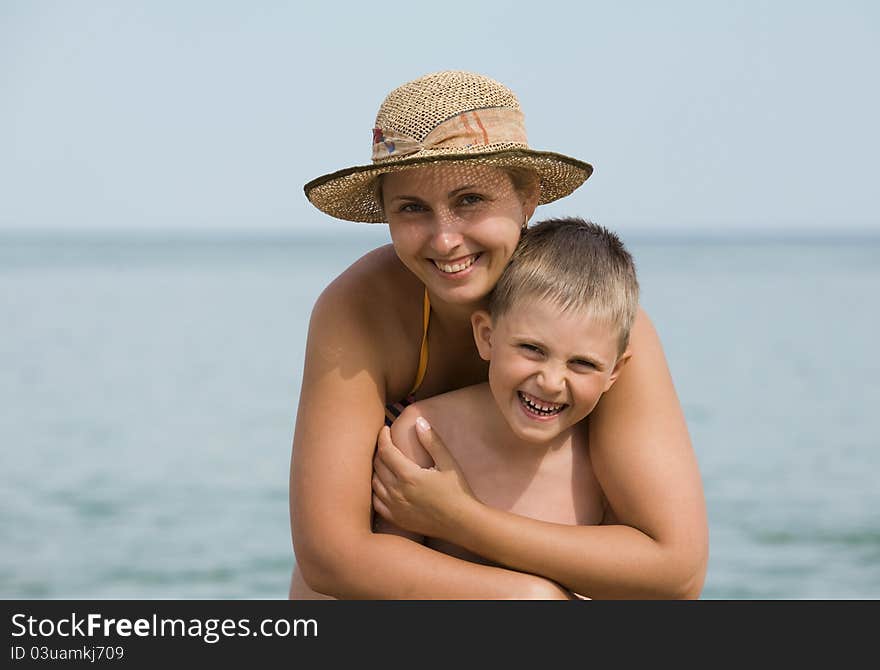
point(697, 116)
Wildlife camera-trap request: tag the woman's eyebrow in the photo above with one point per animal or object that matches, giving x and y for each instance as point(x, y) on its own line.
point(404, 197)
point(460, 189)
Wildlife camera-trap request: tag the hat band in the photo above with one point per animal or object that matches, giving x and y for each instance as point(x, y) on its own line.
point(472, 129)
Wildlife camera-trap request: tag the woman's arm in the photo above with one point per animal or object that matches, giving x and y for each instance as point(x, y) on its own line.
point(643, 460)
point(340, 412)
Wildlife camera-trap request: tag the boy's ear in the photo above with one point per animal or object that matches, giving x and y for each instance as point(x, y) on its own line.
point(622, 360)
point(481, 322)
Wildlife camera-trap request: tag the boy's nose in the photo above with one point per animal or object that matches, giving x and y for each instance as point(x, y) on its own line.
point(551, 380)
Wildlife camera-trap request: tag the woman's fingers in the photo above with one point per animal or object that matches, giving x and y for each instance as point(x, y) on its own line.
point(432, 443)
point(385, 475)
point(380, 508)
point(392, 457)
point(379, 488)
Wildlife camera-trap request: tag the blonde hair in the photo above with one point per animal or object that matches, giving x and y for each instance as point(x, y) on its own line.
point(577, 265)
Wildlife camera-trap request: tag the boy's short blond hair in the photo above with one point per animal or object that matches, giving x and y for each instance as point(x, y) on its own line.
point(576, 264)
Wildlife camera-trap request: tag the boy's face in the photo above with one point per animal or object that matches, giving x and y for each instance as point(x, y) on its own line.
point(547, 368)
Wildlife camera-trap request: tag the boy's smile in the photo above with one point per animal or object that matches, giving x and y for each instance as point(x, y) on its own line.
point(539, 409)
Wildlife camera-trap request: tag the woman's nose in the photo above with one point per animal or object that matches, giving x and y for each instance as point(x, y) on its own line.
point(447, 235)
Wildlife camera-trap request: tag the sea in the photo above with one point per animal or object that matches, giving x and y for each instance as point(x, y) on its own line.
point(149, 385)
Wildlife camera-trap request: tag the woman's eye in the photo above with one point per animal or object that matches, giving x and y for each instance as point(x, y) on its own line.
point(471, 199)
point(411, 207)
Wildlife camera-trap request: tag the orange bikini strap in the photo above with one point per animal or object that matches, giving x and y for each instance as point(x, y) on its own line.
point(423, 351)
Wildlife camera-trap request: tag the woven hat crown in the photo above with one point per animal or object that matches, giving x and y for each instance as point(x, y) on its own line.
point(416, 108)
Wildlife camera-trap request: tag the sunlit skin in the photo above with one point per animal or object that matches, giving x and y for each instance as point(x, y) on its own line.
point(548, 366)
point(517, 488)
point(439, 216)
point(455, 227)
point(514, 439)
point(362, 352)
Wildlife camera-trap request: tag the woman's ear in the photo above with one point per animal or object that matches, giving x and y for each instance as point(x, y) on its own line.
point(530, 204)
point(481, 322)
point(530, 198)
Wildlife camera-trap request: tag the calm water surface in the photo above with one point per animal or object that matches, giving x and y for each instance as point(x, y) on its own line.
point(149, 389)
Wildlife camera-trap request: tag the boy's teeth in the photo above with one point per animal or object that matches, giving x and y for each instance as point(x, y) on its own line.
point(541, 406)
point(456, 267)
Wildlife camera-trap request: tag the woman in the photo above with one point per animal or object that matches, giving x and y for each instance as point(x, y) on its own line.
point(453, 176)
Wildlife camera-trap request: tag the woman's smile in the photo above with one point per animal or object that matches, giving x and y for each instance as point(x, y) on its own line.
point(456, 268)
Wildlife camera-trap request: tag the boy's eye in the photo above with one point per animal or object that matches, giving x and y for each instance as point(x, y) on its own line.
point(531, 348)
point(581, 363)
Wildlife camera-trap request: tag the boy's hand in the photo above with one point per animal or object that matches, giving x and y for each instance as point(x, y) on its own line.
point(428, 501)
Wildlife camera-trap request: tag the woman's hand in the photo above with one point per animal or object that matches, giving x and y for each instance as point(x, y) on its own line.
point(427, 501)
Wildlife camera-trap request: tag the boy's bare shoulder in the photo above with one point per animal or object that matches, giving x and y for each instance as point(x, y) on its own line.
point(450, 413)
point(403, 434)
point(452, 407)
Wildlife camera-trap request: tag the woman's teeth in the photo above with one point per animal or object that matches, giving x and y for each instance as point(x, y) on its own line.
point(540, 406)
point(458, 266)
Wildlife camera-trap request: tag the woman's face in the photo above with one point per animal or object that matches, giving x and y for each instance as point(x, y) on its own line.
point(455, 226)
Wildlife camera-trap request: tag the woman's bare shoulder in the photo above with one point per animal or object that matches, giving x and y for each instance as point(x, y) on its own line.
point(370, 312)
point(371, 291)
point(377, 273)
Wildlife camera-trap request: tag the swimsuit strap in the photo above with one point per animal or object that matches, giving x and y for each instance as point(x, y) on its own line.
point(423, 350)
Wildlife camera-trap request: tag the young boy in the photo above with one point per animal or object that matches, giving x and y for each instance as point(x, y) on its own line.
point(555, 335)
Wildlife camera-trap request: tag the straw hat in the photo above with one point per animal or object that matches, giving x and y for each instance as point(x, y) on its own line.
point(445, 116)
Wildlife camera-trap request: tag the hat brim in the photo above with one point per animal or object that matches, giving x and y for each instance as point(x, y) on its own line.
point(349, 194)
